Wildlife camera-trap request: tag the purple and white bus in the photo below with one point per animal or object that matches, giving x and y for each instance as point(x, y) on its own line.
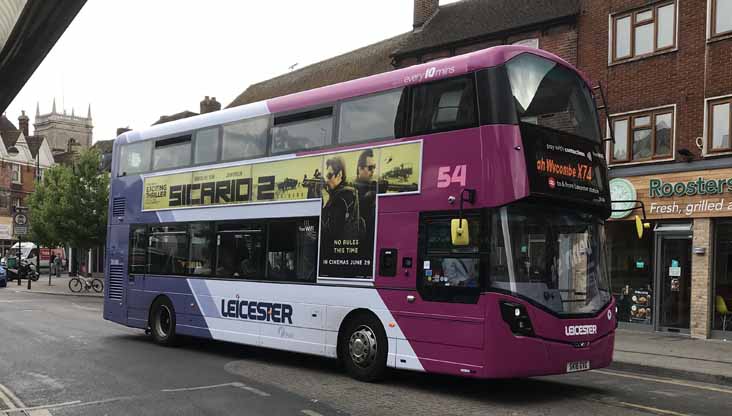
point(446, 217)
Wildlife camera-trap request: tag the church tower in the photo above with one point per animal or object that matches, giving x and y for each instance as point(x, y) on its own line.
point(62, 131)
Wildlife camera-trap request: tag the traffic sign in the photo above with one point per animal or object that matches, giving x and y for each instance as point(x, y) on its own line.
point(20, 221)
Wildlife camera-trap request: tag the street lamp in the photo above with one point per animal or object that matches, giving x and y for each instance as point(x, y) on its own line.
point(13, 151)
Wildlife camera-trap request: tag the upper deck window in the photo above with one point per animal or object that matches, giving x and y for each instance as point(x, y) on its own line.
point(372, 118)
point(246, 139)
point(444, 105)
point(552, 96)
point(134, 158)
point(172, 153)
point(301, 131)
point(206, 149)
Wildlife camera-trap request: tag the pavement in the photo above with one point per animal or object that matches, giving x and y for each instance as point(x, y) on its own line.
point(676, 356)
point(56, 286)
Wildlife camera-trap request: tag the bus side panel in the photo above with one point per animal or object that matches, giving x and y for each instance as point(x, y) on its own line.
point(504, 165)
point(116, 298)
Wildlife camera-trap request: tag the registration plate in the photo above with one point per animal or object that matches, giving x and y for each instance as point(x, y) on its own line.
point(578, 366)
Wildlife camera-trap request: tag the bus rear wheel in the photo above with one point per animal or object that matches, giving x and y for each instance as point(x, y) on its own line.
point(162, 322)
point(364, 347)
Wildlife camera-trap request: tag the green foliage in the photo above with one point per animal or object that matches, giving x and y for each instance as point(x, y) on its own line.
point(70, 206)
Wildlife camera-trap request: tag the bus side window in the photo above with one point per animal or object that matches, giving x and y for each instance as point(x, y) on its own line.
point(240, 251)
point(444, 105)
point(293, 250)
point(134, 158)
point(306, 130)
point(374, 117)
point(172, 153)
point(137, 262)
point(168, 249)
point(245, 139)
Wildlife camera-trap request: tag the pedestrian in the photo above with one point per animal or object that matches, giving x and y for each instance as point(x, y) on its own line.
point(57, 265)
point(52, 265)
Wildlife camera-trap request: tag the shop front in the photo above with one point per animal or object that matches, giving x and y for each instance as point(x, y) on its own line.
point(678, 276)
point(6, 234)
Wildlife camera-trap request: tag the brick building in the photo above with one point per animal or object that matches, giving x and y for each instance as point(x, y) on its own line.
point(18, 171)
point(667, 71)
point(666, 68)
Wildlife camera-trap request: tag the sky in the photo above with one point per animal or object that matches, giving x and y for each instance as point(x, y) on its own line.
point(136, 60)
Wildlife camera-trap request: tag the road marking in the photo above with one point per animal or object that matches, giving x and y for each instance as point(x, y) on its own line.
point(666, 381)
point(653, 409)
point(86, 308)
point(216, 386)
point(11, 400)
point(310, 412)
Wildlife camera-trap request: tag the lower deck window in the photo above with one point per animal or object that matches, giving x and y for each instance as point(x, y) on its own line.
point(282, 250)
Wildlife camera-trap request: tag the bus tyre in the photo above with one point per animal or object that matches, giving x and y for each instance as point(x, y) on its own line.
point(162, 322)
point(364, 346)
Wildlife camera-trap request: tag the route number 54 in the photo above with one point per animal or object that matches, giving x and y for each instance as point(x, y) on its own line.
point(445, 177)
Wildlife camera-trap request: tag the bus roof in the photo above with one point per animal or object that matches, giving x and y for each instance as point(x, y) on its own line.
point(430, 71)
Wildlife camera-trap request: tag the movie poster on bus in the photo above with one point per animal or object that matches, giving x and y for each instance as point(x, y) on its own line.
point(348, 215)
point(288, 180)
point(400, 168)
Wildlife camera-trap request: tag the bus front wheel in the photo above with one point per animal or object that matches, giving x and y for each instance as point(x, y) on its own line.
point(364, 347)
point(162, 322)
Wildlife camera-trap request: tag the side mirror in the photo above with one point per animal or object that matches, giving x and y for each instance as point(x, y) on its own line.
point(640, 226)
point(459, 232)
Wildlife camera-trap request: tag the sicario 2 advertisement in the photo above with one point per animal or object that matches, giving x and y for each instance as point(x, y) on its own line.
point(347, 182)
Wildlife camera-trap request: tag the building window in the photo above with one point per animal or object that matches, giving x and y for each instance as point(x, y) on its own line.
point(643, 32)
point(643, 136)
point(720, 125)
point(721, 17)
point(17, 176)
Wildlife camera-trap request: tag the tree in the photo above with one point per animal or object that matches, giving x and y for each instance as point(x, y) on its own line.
point(70, 206)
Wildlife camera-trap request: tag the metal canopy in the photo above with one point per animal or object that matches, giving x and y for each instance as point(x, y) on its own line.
point(28, 31)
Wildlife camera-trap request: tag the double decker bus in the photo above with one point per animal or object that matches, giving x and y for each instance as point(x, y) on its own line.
point(446, 217)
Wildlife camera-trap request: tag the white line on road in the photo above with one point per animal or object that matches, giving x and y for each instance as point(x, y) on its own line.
point(666, 381)
point(653, 409)
point(11, 400)
point(216, 386)
point(310, 412)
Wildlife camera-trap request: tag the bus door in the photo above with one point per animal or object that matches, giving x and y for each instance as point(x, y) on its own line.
point(440, 315)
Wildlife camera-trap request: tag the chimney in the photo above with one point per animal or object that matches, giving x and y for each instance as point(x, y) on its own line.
point(423, 10)
point(121, 130)
point(23, 123)
point(209, 105)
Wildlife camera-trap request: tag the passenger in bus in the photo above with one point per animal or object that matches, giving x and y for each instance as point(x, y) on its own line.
point(340, 216)
point(460, 272)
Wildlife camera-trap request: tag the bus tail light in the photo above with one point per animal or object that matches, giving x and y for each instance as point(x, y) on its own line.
point(517, 318)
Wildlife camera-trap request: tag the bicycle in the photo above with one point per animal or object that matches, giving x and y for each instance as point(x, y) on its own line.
point(76, 284)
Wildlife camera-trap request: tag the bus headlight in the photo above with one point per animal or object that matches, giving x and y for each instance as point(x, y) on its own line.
point(515, 315)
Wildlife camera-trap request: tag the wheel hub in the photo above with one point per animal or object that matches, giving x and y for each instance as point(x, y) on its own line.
point(163, 323)
point(362, 346)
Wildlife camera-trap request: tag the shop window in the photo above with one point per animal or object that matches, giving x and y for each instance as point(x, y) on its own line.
point(722, 302)
point(643, 136)
point(721, 18)
point(631, 272)
point(643, 32)
point(720, 125)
